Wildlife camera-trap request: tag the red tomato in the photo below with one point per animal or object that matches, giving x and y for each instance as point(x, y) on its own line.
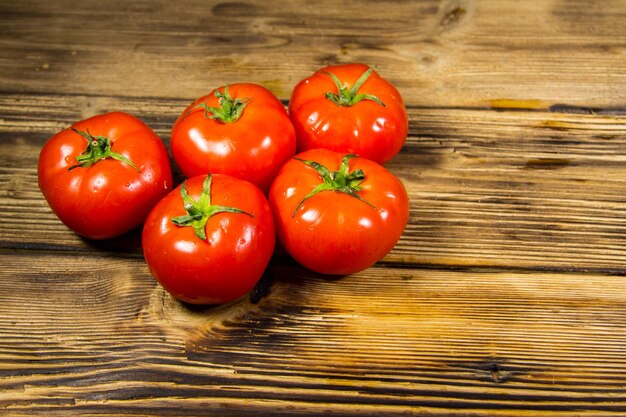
point(241, 130)
point(102, 175)
point(350, 109)
point(210, 240)
point(337, 213)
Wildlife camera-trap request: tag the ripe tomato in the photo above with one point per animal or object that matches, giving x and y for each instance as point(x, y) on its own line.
point(337, 213)
point(103, 175)
point(241, 130)
point(210, 240)
point(351, 109)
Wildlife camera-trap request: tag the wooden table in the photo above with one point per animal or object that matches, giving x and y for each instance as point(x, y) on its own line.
point(505, 296)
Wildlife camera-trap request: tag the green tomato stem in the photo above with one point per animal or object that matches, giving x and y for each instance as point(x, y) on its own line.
point(229, 109)
point(200, 211)
point(98, 148)
point(347, 97)
point(342, 180)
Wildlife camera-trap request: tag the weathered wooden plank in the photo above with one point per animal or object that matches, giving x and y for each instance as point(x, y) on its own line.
point(528, 189)
point(439, 53)
point(96, 335)
point(514, 166)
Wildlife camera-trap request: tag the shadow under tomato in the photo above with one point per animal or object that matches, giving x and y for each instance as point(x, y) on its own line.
point(128, 244)
point(296, 272)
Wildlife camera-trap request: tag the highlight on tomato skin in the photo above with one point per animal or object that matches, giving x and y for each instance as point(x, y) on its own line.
point(349, 108)
point(210, 240)
point(102, 175)
point(337, 213)
point(239, 129)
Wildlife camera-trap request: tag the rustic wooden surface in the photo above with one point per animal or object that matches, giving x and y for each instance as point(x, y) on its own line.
point(506, 295)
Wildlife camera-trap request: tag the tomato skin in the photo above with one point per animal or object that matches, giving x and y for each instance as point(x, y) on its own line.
point(110, 197)
point(234, 255)
point(333, 232)
point(252, 148)
point(366, 128)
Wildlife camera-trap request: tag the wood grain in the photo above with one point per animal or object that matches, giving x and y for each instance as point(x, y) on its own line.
point(94, 334)
point(439, 53)
point(506, 295)
point(525, 189)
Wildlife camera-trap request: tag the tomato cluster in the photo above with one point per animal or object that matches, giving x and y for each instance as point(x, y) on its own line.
point(311, 176)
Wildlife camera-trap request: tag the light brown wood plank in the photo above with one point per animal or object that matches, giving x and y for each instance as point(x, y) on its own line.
point(96, 335)
point(524, 189)
point(439, 53)
point(504, 297)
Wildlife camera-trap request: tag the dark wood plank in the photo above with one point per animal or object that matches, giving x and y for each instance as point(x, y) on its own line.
point(524, 189)
point(504, 297)
point(96, 335)
point(439, 53)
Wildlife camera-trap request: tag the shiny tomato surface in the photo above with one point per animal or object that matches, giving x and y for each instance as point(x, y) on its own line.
point(343, 224)
point(209, 250)
point(241, 130)
point(347, 108)
point(103, 175)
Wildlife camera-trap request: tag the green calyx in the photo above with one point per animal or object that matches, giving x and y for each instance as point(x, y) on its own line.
point(199, 212)
point(342, 180)
point(98, 148)
point(349, 96)
point(229, 110)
